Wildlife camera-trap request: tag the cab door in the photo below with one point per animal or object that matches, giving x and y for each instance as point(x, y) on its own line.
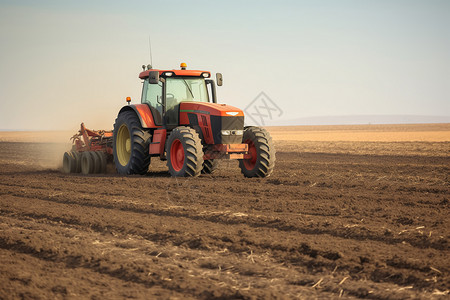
point(152, 96)
point(176, 92)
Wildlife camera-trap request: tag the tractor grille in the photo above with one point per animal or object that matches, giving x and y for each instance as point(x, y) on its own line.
point(219, 123)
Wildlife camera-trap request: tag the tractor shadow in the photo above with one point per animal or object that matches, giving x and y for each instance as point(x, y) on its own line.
point(157, 174)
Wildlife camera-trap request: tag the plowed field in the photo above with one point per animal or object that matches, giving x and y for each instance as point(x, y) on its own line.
point(338, 218)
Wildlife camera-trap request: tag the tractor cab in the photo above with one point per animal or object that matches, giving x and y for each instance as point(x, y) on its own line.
point(164, 90)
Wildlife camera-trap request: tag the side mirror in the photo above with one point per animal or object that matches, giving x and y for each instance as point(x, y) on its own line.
point(153, 77)
point(219, 79)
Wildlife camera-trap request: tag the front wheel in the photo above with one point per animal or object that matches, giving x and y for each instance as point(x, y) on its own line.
point(210, 165)
point(261, 152)
point(130, 144)
point(184, 152)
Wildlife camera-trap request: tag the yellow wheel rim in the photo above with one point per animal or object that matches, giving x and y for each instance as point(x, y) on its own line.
point(123, 145)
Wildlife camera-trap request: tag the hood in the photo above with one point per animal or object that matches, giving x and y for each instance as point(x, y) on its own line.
point(213, 109)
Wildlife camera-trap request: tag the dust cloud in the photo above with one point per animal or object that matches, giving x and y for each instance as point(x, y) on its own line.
point(44, 149)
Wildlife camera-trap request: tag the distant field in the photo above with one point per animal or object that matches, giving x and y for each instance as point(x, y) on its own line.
point(36, 136)
point(409, 139)
point(364, 133)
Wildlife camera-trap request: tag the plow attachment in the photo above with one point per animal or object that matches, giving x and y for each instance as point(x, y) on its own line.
point(91, 151)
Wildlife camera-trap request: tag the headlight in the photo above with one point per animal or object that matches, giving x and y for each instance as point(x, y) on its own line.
point(232, 132)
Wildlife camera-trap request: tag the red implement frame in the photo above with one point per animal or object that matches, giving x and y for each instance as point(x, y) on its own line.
point(93, 140)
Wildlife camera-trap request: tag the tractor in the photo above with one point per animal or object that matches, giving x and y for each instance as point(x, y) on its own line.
point(178, 120)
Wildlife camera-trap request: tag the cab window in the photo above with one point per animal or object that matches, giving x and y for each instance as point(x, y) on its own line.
point(181, 89)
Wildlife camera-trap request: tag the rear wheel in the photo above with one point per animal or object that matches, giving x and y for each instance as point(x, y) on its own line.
point(184, 152)
point(77, 156)
point(261, 151)
point(102, 161)
point(68, 162)
point(130, 144)
point(97, 162)
point(209, 166)
point(87, 162)
point(71, 162)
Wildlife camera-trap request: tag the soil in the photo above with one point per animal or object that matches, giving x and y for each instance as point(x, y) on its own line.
point(324, 225)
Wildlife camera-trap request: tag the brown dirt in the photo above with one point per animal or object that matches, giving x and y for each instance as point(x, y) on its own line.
point(353, 223)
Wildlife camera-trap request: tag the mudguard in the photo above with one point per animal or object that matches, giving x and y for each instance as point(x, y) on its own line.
point(144, 113)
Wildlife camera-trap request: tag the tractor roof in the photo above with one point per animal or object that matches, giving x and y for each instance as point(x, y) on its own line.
point(194, 73)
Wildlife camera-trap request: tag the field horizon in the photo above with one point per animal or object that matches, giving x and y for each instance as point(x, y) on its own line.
point(425, 132)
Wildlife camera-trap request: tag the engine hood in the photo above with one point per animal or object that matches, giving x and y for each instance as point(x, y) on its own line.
point(212, 109)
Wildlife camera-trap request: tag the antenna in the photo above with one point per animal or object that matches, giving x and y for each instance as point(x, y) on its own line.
point(150, 47)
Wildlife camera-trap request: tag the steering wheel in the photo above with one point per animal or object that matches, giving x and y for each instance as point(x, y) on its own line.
point(170, 95)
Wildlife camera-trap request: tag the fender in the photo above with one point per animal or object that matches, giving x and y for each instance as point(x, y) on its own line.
point(144, 113)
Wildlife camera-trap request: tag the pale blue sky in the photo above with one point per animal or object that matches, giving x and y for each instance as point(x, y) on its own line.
point(63, 62)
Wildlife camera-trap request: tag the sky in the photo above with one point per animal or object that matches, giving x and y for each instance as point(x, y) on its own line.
point(67, 62)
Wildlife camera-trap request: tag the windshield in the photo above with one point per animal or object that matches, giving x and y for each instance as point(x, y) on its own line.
point(186, 89)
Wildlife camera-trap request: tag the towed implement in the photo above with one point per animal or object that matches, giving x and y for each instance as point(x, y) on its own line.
point(178, 120)
point(91, 150)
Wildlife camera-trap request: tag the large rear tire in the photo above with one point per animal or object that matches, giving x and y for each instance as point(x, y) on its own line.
point(130, 144)
point(184, 152)
point(262, 151)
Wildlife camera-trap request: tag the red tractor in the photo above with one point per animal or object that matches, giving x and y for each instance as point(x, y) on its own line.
point(179, 120)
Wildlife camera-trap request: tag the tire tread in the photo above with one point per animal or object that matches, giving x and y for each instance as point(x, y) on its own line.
point(266, 152)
